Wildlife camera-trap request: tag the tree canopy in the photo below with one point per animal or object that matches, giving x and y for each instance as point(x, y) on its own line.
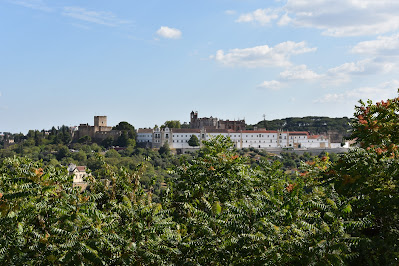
point(193, 141)
point(128, 136)
point(171, 124)
point(340, 127)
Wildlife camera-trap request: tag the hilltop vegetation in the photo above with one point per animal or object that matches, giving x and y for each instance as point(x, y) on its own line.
point(313, 124)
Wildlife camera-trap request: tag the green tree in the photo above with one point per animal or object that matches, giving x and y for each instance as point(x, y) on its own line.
point(171, 124)
point(125, 126)
point(80, 157)
point(44, 221)
point(122, 140)
point(85, 140)
point(64, 134)
point(112, 154)
point(368, 176)
point(107, 142)
point(165, 149)
point(128, 136)
point(63, 151)
point(38, 138)
point(193, 141)
point(232, 214)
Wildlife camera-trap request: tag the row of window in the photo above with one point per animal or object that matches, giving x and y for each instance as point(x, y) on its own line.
point(233, 136)
point(158, 135)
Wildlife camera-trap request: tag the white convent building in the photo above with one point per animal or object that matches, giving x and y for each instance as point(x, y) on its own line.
point(178, 138)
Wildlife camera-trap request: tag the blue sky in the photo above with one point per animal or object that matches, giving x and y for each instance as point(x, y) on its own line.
point(145, 62)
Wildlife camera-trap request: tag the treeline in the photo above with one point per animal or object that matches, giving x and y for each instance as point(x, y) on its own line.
point(158, 162)
point(66, 136)
point(60, 135)
point(56, 147)
point(313, 124)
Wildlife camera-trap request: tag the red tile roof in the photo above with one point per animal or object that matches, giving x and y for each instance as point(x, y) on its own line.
point(81, 168)
point(299, 133)
point(213, 130)
point(317, 137)
point(185, 130)
point(144, 130)
point(258, 131)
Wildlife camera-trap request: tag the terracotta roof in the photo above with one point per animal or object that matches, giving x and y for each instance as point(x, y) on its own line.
point(185, 130)
point(213, 130)
point(81, 168)
point(317, 137)
point(258, 131)
point(299, 133)
point(144, 130)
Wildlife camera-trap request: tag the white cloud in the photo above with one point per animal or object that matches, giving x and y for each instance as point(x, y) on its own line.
point(380, 92)
point(273, 85)
point(331, 98)
point(383, 45)
point(33, 4)
point(300, 72)
point(347, 69)
point(284, 20)
point(230, 12)
point(263, 56)
point(344, 72)
point(345, 17)
point(261, 16)
point(337, 75)
point(98, 17)
point(295, 73)
point(169, 33)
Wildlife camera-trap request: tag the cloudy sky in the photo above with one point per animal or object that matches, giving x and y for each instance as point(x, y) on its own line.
point(63, 62)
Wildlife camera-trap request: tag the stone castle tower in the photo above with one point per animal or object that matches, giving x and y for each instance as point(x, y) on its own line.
point(100, 121)
point(193, 117)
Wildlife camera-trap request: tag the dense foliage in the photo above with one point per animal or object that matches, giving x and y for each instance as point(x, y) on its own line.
point(313, 124)
point(220, 206)
point(369, 177)
point(217, 210)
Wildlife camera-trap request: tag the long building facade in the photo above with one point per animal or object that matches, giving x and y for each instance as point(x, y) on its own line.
point(178, 138)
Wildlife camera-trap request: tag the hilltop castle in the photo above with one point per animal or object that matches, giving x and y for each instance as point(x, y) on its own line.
point(99, 131)
point(214, 123)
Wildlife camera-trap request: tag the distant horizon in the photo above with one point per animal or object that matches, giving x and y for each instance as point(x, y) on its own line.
point(159, 124)
point(150, 61)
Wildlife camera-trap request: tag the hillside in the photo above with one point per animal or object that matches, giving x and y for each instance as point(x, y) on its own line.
point(335, 127)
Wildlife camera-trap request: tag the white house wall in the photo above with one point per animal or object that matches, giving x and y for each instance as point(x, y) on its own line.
point(242, 139)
